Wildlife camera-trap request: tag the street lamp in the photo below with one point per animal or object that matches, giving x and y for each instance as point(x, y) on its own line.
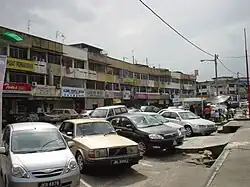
point(216, 71)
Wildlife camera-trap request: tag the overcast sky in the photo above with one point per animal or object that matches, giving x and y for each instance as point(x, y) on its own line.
point(120, 26)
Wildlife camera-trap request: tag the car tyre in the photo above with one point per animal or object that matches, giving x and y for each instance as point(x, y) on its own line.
point(80, 161)
point(189, 131)
point(142, 147)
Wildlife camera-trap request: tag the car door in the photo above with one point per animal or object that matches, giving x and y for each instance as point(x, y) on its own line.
point(110, 113)
point(175, 117)
point(127, 128)
point(5, 159)
point(166, 115)
point(68, 130)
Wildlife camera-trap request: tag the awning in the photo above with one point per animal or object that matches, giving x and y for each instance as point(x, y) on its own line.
point(218, 99)
point(12, 37)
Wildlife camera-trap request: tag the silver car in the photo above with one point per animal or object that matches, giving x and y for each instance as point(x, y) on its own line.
point(34, 154)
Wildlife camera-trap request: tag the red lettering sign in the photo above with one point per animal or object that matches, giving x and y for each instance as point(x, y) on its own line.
point(17, 86)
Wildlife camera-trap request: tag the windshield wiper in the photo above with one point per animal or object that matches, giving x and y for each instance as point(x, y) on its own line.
point(111, 132)
point(49, 143)
point(57, 149)
point(25, 152)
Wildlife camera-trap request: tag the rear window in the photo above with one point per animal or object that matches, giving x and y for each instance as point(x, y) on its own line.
point(118, 111)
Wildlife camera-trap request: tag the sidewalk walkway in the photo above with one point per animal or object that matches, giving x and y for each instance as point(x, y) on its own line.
point(232, 168)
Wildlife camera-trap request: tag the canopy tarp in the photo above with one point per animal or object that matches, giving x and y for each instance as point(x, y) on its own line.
point(218, 99)
point(192, 99)
point(11, 37)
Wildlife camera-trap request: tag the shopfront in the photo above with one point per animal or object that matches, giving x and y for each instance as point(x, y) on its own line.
point(47, 96)
point(73, 98)
point(94, 98)
point(109, 97)
point(16, 98)
point(141, 99)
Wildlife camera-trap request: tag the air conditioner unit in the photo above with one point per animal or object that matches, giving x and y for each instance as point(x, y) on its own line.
point(58, 86)
point(34, 84)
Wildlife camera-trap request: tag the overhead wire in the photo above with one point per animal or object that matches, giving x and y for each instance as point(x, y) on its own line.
point(176, 31)
point(185, 38)
point(228, 68)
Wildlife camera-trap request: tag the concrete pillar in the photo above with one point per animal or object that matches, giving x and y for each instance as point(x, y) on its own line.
point(45, 80)
point(8, 50)
point(7, 76)
point(28, 53)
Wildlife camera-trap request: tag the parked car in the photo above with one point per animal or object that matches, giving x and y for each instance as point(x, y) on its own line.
point(131, 110)
point(147, 131)
point(191, 122)
point(58, 115)
point(149, 108)
point(108, 111)
point(167, 122)
point(97, 144)
point(86, 113)
point(35, 154)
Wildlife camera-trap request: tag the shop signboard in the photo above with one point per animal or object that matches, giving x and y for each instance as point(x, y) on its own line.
point(141, 96)
point(45, 91)
point(72, 92)
point(12, 87)
point(18, 64)
point(117, 94)
point(126, 95)
point(153, 96)
point(109, 94)
point(3, 60)
point(91, 93)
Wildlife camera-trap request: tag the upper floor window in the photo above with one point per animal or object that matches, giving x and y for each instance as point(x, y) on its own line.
point(36, 78)
point(37, 55)
point(18, 77)
point(137, 75)
point(144, 76)
point(54, 58)
point(79, 64)
point(3, 49)
point(17, 52)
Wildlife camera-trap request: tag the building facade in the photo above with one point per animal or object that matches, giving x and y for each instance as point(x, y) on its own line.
point(235, 87)
point(47, 74)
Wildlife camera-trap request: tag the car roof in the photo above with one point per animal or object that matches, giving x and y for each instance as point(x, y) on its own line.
point(147, 113)
point(63, 109)
point(88, 120)
point(113, 106)
point(129, 114)
point(31, 125)
point(175, 110)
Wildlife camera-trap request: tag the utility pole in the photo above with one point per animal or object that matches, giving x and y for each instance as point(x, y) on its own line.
point(216, 73)
point(237, 86)
point(29, 25)
point(133, 57)
point(248, 88)
point(146, 61)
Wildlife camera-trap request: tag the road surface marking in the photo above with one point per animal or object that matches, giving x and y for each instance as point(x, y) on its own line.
point(84, 183)
point(145, 164)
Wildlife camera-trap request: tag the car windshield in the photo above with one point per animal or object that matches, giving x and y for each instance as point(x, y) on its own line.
point(160, 118)
point(145, 121)
point(55, 112)
point(94, 128)
point(99, 113)
point(29, 141)
point(188, 115)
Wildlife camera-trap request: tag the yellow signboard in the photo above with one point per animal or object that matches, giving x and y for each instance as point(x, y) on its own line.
point(18, 64)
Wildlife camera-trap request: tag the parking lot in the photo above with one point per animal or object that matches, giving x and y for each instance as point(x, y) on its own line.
point(159, 169)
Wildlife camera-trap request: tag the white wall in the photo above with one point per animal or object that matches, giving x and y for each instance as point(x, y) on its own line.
point(75, 53)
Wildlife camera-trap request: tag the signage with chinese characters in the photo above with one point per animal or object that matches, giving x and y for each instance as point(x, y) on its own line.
point(10, 87)
point(72, 92)
point(45, 91)
point(95, 93)
point(18, 64)
point(141, 96)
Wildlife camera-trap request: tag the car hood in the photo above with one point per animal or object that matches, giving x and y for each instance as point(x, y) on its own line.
point(173, 125)
point(42, 160)
point(161, 129)
point(101, 141)
point(199, 121)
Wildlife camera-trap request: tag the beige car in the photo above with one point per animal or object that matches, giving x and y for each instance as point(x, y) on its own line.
point(98, 144)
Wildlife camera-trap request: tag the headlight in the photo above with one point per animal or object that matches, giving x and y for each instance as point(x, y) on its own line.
point(72, 165)
point(18, 171)
point(179, 132)
point(132, 150)
point(155, 137)
point(202, 126)
point(98, 153)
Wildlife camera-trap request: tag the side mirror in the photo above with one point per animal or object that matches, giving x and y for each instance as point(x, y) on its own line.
point(178, 118)
point(129, 126)
point(3, 151)
point(69, 133)
point(71, 144)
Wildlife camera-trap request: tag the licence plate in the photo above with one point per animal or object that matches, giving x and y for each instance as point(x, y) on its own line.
point(122, 161)
point(56, 183)
point(174, 143)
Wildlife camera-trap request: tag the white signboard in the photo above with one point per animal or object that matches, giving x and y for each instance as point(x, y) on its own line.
point(72, 92)
point(3, 61)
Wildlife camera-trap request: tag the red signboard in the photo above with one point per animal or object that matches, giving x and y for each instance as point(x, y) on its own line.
point(17, 87)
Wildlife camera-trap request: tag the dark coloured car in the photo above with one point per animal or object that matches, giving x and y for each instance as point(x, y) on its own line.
point(148, 132)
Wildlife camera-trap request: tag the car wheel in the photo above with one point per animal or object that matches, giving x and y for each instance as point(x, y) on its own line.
point(189, 131)
point(142, 147)
point(80, 161)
